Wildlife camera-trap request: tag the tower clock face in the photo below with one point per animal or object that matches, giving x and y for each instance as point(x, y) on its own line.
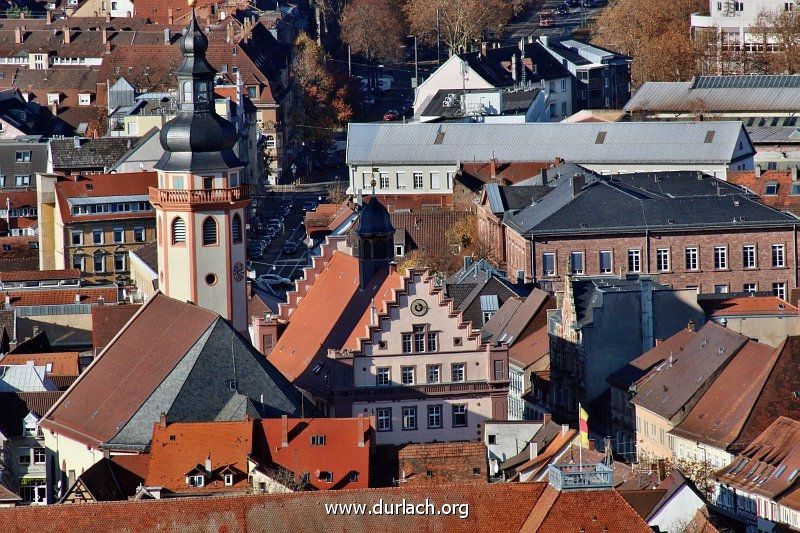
point(419, 307)
point(238, 271)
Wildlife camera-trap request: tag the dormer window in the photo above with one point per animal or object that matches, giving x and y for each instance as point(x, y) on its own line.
point(84, 99)
point(196, 480)
point(228, 480)
point(53, 98)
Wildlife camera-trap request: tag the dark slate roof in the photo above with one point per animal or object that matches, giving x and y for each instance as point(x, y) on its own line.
point(9, 166)
point(478, 279)
point(423, 230)
point(635, 202)
point(148, 254)
point(587, 291)
point(108, 481)
point(490, 66)
point(374, 219)
point(512, 103)
point(92, 153)
point(15, 406)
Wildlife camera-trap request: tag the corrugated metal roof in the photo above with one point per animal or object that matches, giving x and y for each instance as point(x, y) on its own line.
point(489, 302)
point(624, 143)
point(751, 93)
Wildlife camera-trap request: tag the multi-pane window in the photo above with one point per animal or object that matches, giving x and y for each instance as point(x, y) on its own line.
point(97, 236)
point(419, 338)
point(750, 287)
point(692, 259)
point(384, 416)
point(77, 238)
point(549, 264)
point(576, 262)
point(384, 180)
point(99, 263)
point(119, 235)
point(662, 259)
point(418, 183)
point(778, 255)
point(383, 376)
point(119, 261)
point(39, 456)
point(720, 257)
point(458, 372)
point(634, 260)
point(24, 456)
point(77, 262)
point(409, 418)
point(459, 415)
point(434, 373)
point(606, 262)
point(432, 342)
point(407, 375)
point(779, 290)
point(749, 256)
point(406, 342)
point(434, 416)
point(720, 289)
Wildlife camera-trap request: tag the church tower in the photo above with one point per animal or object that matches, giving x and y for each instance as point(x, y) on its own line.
point(374, 243)
point(200, 201)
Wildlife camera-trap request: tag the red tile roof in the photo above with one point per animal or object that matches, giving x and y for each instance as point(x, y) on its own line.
point(99, 185)
point(82, 295)
point(107, 321)
point(158, 11)
point(538, 464)
point(178, 448)
point(447, 462)
point(341, 455)
point(499, 507)
point(511, 172)
point(128, 370)
point(64, 363)
point(783, 200)
point(39, 275)
point(739, 387)
point(747, 306)
point(16, 253)
point(414, 202)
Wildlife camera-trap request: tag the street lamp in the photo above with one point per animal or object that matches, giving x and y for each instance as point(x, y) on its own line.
point(416, 63)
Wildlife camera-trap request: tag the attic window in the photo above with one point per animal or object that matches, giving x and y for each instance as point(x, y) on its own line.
point(601, 137)
point(89, 186)
point(196, 480)
point(429, 473)
point(327, 477)
point(771, 188)
point(709, 136)
point(318, 440)
point(795, 189)
point(232, 384)
point(228, 480)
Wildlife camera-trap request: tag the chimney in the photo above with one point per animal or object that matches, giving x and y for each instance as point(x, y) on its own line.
point(546, 418)
point(54, 108)
point(18, 35)
point(170, 18)
point(578, 181)
point(108, 48)
point(49, 19)
point(564, 429)
point(162, 420)
point(794, 172)
point(691, 326)
point(104, 32)
point(544, 176)
point(493, 169)
point(514, 67)
point(758, 171)
point(77, 298)
point(662, 470)
point(229, 33)
point(108, 16)
point(208, 464)
point(533, 450)
point(360, 435)
point(285, 431)
point(522, 46)
point(76, 142)
point(167, 37)
point(484, 47)
point(67, 35)
point(8, 300)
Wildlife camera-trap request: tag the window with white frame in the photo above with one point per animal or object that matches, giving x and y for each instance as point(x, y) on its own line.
point(120, 261)
point(749, 256)
point(97, 236)
point(750, 287)
point(228, 480)
point(22, 180)
point(458, 372)
point(606, 262)
point(318, 440)
point(409, 418)
point(662, 259)
point(634, 260)
point(549, 264)
point(384, 417)
point(84, 99)
point(779, 290)
point(692, 255)
point(720, 289)
point(435, 184)
point(138, 234)
point(459, 415)
point(418, 180)
point(119, 235)
point(39, 456)
point(384, 180)
point(383, 376)
point(196, 480)
point(76, 237)
point(400, 177)
point(78, 262)
point(434, 373)
point(270, 141)
point(407, 375)
point(99, 263)
point(434, 416)
point(720, 257)
point(576, 262)
point(406, 343)
point(778, 255)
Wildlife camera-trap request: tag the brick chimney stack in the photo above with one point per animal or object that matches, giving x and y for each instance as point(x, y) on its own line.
point(67, 35)
point(49, 17)
point(18, 35)
point(104, 33)
point(285, 431)
point(691, 326)
point(170, 17)
point(162, 420)
point(360, 435)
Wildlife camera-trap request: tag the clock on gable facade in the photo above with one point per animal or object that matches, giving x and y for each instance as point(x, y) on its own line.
point(419, 307)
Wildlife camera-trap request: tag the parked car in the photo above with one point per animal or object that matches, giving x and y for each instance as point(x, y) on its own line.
point(310, 205)
point(391, 115)
point(562, 10)
point(273, 280)
point(290, 248)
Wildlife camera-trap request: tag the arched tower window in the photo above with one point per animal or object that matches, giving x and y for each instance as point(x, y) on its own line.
point(178, 231)
point(187, 91)
point(209, 231)
point(236, 229)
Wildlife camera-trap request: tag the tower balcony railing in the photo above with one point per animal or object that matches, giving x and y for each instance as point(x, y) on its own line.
point(199, 196)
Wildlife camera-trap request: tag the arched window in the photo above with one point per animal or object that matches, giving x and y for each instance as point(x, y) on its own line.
point(187, 91)
point(209, 231)
point(178, 231)
point(236, 229)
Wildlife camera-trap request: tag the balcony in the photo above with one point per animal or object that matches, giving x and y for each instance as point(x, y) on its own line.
point(580, 477)
point(405, 392)
point(199, 197)
point(701, 20)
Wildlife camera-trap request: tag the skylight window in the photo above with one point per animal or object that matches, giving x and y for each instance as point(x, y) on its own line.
point(792, 475)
